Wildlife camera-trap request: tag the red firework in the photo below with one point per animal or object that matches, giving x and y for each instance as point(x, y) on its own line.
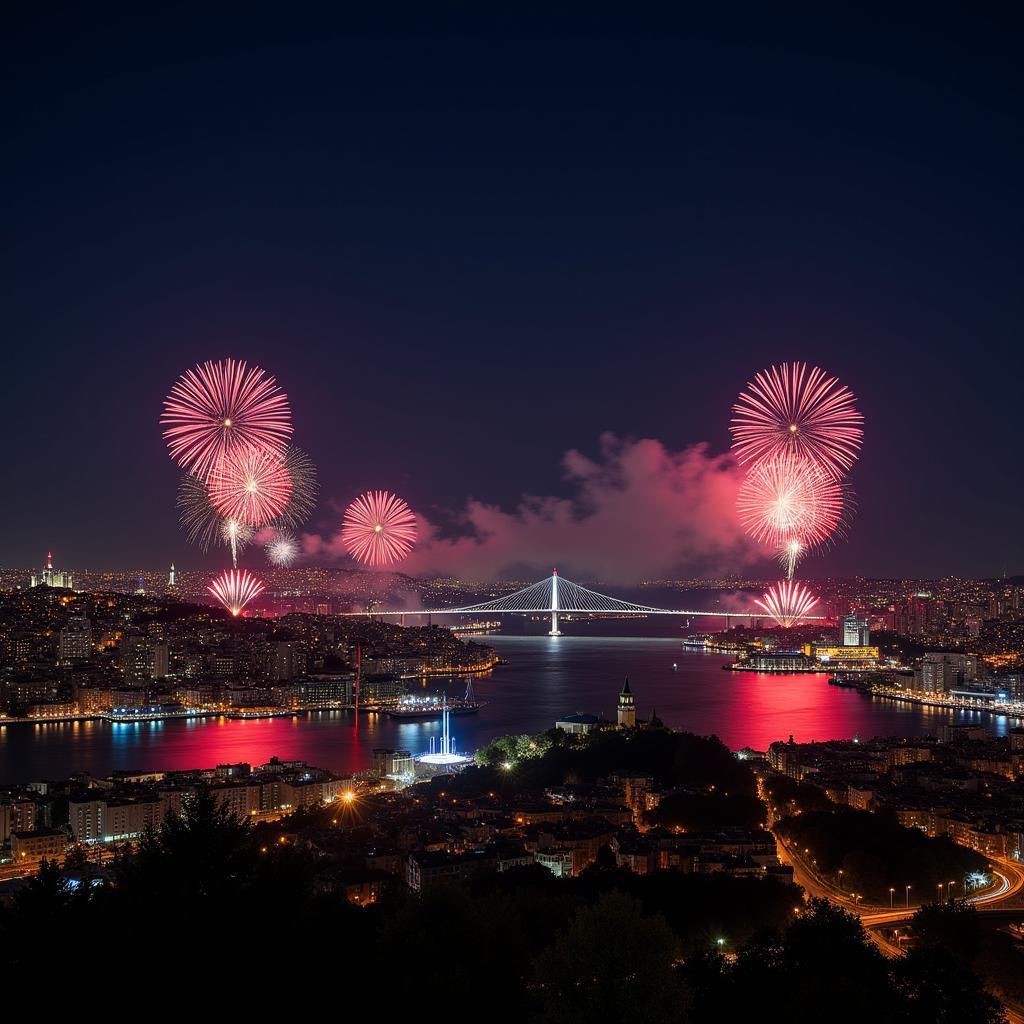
point(219, 406)
point(379, 528)
point(790, 409)
point(235, 588)
point(251, 485)
point(787, 499)
point(787, 602)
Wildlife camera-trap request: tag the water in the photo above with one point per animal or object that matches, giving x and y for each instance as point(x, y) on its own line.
point(545, 679)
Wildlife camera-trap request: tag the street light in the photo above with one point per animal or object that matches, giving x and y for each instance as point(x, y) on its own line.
point(892, 892)
point(939, 887)
point(908, 896)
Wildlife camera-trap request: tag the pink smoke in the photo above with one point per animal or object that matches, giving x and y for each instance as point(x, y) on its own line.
point(639, 511)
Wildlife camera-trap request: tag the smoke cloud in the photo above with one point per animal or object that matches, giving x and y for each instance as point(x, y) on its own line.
point(638, 511)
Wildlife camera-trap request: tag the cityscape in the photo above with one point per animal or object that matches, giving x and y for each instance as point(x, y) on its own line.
point(531, 519)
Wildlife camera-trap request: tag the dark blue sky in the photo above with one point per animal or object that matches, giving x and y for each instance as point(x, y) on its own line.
point(466, 244)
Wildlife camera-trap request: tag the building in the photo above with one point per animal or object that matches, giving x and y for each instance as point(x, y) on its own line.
point(843, 657)
point(626, 715)
point(51, 577)
point(393, 764)
point(31, 848)
point(578, 723)
point(143, 658)
point(940, 673)
point(855, 632)
point(75, 642)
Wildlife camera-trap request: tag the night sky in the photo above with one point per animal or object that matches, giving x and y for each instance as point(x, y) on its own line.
point(467, 245)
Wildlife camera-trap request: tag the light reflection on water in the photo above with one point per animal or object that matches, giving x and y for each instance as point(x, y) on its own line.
point(547, 677)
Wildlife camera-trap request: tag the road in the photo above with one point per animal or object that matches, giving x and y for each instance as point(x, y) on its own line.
point(1001, 897)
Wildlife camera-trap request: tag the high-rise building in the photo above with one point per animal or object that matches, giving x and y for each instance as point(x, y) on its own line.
point(940, 673)
point(51, 577)
point(627, 707)
point(75, 640)
point(143, 658)
point(855, 632)
point(172, 579)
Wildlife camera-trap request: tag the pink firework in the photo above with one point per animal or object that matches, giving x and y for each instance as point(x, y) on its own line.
point(788, 602)
point(251, 485)
point(235, 588)
point(789, 409)
point(379, 528)
point(219, 406)
point(787, 499)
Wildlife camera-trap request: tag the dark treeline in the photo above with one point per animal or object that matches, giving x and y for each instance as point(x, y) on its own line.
point(876, 853)
point(207, 911)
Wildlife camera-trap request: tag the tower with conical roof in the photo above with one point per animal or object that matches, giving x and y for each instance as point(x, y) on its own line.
point(627, 707)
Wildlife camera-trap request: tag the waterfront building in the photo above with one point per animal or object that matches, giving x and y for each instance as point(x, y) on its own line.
point(940, 672)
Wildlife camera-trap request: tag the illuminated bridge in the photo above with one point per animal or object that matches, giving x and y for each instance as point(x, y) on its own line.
point(556, 595)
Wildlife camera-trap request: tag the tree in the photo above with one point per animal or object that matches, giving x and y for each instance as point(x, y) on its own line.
point(612, 965)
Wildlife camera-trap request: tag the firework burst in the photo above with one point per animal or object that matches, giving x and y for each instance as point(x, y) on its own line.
point(203, 524)
point(789, 409)
point(378, 528)
point(250, 484)
point(787, 602)
point(282, 550)
point(235, 588)
point(791, 504)
point(304, 490)
point(218, 406)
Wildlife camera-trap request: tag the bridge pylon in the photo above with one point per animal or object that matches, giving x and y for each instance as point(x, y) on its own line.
point(554, 630)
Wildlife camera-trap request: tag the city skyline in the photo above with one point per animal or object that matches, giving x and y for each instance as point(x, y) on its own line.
point(595, 249)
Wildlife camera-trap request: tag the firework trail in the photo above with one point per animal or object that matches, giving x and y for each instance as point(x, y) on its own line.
point(378, 528)
point(250, 484)
point(236, 535)
point(791, 504)
point(789, 409)
point(235, 588)
point(203, 524)
point(282, 550)
point(787, 602)
point(218, 406)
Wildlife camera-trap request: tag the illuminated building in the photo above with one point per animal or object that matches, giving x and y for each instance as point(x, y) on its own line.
point(393, 764)
point(626, 714)
point(855, 632)
point(940, 673)
point(578, 724)
point(51, 577)
point(142, 658)
point(75, 640)
point(855, 656)
point(38, 845)
point(171, 578)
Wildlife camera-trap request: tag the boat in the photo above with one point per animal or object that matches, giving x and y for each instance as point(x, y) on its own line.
point(433, 706)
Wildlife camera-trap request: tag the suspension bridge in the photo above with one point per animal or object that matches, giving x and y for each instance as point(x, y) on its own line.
point(557, 595)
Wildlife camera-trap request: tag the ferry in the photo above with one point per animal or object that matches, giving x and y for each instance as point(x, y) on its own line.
point(433, 705)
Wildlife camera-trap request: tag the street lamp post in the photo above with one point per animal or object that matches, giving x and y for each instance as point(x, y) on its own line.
point(892, 892)
point(908, 897)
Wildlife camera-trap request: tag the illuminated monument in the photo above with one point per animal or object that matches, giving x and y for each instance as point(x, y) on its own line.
point(444, 752)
